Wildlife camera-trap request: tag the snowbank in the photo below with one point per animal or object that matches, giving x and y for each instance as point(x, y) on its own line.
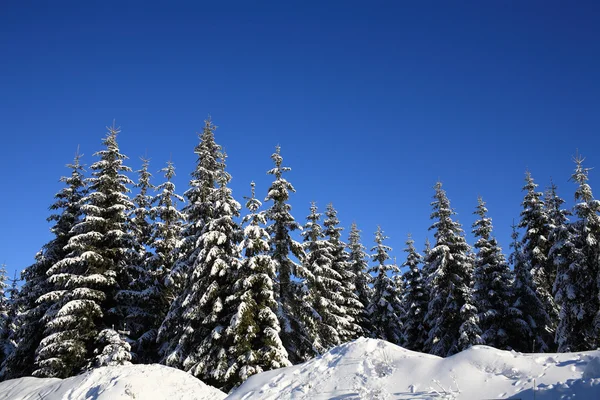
point(374, 369)
point(142, 382)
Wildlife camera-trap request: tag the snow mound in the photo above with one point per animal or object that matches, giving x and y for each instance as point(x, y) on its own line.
point(375, 369)
point(112, 383)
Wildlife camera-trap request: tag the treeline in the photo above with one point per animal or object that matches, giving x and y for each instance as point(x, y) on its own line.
point(224, 296)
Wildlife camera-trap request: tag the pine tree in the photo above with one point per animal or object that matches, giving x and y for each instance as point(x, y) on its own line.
point(208, 307)
point(536, 247)
point(67, 213)
point(254, 330)
point(526, 336)
point(292, 308)
point(492, 293)
point(359, 266)
point(414, 332)
point(4, 314)
point(167, 225)
point(576, 253)
point(558, 220)
point(115, 350)
point(198, 212)
point(340, 263)
point(86, 281)
point(138, 299)
point(324, 286)
point(451, 315)
point(385, 309)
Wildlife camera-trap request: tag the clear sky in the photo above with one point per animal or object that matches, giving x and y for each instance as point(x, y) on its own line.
point(372, 102)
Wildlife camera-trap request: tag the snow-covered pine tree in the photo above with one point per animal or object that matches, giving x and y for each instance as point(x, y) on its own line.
point(4, 313)
point(358, 264)
point(385, 309)
point(167, 225)
point(451, 315)
point(210, 303)
point(289, 296)
point(558, 221)
point(254, 330)
point(340, 262)
point(414, 299)
point(492, 287)
point(87, 279)
point(112, 348)
point(576, 254)
point(9, 321)
point(535, 247)
point(137, 300)
point(526, 336)
point(323, 286)
point(198, 212)
point(140, 214)
point(66, 214)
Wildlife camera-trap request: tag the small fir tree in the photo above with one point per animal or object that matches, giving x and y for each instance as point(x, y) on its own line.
point(451, 316)
point(359, 266)
point(414, 332)
point(385, 308)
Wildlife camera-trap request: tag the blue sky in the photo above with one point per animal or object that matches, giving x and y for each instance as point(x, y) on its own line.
point(371, 102)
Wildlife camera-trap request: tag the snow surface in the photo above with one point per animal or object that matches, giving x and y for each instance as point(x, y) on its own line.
point(363, 369)
point(144, 382)
point(375, 369)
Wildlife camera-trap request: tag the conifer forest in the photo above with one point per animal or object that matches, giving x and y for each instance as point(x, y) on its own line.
point(225, 287)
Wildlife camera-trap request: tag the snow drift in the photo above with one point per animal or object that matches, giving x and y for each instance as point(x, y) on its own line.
point(142, 382)
point(375, 369)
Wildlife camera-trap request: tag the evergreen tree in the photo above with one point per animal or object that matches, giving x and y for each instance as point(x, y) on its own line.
point(558, 221)
point(385, 309)
point(138, 299)
point(254, 330)
point(324, 286)
point(86, 280)
point(4, 315)
point(451, 315)
point(32, 314)
point(115, 350)
point(198, 212)
point(414, 332)
point(208, 307)
point(140, 215)
point(359, 266)
point(167, 225)
point(576, 253)
point(492, 294)
point(536, 247)
point(292, 309)
point(526, 335)
point(351, 306)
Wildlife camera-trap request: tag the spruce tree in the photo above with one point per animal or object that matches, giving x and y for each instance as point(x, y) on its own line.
point(340, 263)
point(577, 258)
point(254, 329)
point(558, 221)
point(33, 314)
point(451, 315)
point(4, 314)
point(414, 332)
point(140, 215)
point(87, 279)
point(198, 212)
point(536, 247)
point(492, 294)
point(526, 336)
point(324, 286)
point(359, 266)
point(167, 225)
point(385, 309)
point(209, 304)
point(292, 308)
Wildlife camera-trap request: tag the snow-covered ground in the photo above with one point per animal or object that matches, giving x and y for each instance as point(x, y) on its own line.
point(142, 382)
point(374, 369)
point(363, 369)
